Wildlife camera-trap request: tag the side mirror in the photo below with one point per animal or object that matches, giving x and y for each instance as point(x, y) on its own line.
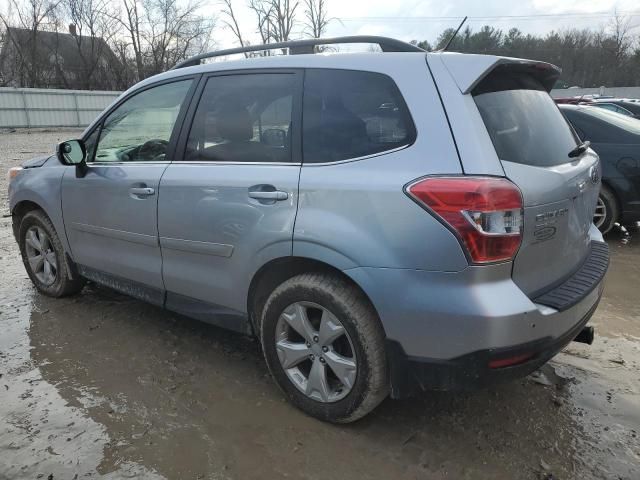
point(73, 152)
point(274, 137)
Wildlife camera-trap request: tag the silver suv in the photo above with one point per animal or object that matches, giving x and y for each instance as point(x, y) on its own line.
point(382, 222)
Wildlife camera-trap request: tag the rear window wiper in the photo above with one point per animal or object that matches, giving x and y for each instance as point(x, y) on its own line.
point(580, 149)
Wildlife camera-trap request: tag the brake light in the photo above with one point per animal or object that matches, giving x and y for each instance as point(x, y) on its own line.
point(485, 213)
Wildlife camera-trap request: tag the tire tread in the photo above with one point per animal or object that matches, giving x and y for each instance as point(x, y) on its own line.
point(367, 323)
point(65, 285)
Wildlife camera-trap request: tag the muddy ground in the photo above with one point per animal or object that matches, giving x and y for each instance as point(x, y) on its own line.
point(100, 385)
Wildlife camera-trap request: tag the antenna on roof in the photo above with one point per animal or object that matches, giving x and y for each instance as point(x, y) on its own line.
point(454, 35)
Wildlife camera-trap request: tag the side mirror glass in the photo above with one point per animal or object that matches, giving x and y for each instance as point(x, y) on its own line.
point(71, 152)
point(274, 137)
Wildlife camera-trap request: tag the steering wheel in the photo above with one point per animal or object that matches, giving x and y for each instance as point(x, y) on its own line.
point(152, 149)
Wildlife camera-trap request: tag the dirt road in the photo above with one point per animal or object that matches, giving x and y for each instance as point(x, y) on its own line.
point(100, 385)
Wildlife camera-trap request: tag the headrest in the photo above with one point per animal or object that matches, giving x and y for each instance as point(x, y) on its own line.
point(235, 124)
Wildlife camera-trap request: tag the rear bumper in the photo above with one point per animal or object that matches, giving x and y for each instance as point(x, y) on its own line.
point(444, 328)
point(472, 371)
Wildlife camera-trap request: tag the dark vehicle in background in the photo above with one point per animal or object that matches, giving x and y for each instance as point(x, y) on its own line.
point(627, 104)
point(624, 106)
point(615, 107)
point(616, 139)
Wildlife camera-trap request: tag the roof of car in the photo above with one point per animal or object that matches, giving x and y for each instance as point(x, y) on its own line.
point(572, 106)
point(360, 61)
point(396, 60)
point(466, 69)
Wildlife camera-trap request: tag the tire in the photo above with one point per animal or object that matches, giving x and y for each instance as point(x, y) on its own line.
point(326, 300)
point(59, 284)
point(608, 208)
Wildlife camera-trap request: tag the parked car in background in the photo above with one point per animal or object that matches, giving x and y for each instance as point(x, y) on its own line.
point(619, 105)
point(613, 107)
point(381, 222)
point(616, 138)
point(569, 100)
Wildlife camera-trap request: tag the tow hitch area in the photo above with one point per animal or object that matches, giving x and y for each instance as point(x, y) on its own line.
point(585, 336)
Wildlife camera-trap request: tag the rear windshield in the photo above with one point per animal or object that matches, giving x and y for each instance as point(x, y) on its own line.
point(523, 121)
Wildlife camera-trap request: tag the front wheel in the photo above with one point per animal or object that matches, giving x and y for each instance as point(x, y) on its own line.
point(43, 256)
point(324, 346)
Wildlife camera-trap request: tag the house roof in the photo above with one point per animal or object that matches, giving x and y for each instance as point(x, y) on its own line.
point(72, 50)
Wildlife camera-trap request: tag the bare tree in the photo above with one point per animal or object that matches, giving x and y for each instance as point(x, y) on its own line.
point(175, 31)
point(132, 24)
point(163, 32)
point(124, 71)
point(276, 18)
point(92, 26)
point(231, 22)
point(316, 17)
point(620, 28)
point(283, 18)
point(263, 12)
point(32, 16)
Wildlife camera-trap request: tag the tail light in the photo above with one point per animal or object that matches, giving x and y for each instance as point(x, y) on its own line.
point(485, 213)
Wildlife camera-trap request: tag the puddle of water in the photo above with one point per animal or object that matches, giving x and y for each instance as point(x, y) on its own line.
point(41, 433)
point(605, 398)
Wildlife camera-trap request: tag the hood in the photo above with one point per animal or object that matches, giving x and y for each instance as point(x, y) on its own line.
point(37, 161)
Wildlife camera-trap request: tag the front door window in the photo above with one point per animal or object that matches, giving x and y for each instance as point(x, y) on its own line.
point(139, 130)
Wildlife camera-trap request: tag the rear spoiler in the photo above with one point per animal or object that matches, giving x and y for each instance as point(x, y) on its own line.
point(469, 70)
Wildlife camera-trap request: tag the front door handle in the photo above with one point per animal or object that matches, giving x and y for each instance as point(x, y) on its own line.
point(142, 191)
point(273, 195)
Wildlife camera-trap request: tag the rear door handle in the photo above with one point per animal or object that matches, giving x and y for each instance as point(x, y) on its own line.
point(273, 195)
point(142, 191)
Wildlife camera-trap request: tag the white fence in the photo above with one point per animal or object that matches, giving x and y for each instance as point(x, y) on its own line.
point(620, 92)
point(39, 107)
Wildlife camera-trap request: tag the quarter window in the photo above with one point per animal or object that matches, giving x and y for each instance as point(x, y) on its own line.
point(244, 118)
point(140, 128)
point(349, 114)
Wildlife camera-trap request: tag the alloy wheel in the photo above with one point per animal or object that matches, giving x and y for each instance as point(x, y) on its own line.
point(316, 352)
point(41, 256)
point(600, 214)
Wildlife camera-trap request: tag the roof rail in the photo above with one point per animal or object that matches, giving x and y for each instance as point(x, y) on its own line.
point(297, 47)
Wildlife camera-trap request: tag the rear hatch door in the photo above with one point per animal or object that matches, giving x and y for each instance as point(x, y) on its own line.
point(532, 140)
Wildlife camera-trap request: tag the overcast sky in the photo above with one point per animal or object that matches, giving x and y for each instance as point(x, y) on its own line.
point(422, 19)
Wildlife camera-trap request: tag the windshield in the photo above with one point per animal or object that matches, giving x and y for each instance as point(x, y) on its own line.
point(630, 124)
point(522, 120)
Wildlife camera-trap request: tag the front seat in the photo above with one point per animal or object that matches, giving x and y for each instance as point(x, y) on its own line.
point(235, 127)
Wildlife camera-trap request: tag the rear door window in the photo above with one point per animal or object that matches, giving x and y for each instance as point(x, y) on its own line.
point(245, 118)
point(349, 114)
point(523, 121)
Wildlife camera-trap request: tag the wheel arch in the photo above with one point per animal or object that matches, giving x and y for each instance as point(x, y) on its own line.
point(24, 206)
point(19, 210)
point(610, 186)
point(276, 271)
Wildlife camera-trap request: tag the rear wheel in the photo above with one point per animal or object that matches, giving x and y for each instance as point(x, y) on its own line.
point(43, 256)
point(324, 346)
point(606, 214)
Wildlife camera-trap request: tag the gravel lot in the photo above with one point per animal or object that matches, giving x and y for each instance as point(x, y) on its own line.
point(101, 385)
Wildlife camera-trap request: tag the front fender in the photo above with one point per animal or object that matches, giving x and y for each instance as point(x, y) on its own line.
point(42, 187)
